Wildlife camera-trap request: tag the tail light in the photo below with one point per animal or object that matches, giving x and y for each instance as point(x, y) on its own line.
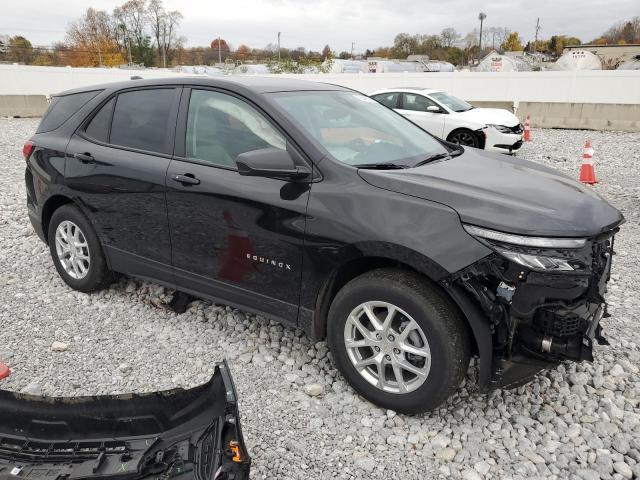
point(27, 149)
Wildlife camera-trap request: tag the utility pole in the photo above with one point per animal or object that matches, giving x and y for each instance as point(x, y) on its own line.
point(279, 45)
point(535, 43)
point(164, 48)
point(353, 44)
point(219, 50)
point(481, 17)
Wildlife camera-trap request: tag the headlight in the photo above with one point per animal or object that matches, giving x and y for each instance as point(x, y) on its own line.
point(526, 250)
point(502, 128)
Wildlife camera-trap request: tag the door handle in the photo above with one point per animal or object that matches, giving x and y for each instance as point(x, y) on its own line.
point(84, 157)
point(186, 179)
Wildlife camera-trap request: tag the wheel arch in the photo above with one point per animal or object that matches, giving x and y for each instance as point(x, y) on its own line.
point(477, 324)
point(403, 259)
point(53, 203)
point(474, 131)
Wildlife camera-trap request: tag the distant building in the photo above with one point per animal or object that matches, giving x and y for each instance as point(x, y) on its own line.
point(611, 56)
point(578, 60)
point(494, 62)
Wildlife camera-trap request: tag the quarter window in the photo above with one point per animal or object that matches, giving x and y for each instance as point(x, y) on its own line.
point(141, 120)
point(220, 127)
point(418, 103)
point(62, 108)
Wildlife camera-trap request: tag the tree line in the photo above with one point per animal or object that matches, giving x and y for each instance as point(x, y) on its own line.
point(143, 32)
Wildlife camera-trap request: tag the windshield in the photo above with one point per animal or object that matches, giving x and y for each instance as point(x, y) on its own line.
point(453, 103)
point(356, 129)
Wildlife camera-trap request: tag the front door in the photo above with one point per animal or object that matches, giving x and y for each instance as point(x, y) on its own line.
point(414, 107)
point(234, 238)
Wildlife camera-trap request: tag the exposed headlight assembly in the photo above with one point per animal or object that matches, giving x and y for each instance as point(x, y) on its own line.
point(534, 259)
point(502, 128)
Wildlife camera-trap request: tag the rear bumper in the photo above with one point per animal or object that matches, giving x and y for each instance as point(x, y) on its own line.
point(36, 223)
point(194, 434)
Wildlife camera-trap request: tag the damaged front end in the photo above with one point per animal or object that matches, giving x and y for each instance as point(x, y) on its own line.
point(181, 434)
point(543, 299)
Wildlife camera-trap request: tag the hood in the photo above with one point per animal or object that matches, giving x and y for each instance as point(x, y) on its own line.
point(504, 193)
point(191, 434)
point(490, 116)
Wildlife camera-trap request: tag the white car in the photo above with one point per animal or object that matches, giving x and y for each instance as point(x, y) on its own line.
point(455, 120)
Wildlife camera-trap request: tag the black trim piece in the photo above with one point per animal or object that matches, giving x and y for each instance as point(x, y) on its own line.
point(481, 331)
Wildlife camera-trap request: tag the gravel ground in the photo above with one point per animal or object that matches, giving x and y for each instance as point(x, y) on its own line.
point(576, 421)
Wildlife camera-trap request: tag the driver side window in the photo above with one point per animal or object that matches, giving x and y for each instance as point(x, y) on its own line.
point(417, 103)
point(220, 127)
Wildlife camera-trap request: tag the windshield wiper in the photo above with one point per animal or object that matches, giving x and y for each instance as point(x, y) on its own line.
point(432, 158)
point(381, 166)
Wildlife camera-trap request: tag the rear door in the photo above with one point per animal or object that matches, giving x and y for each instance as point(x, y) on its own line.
point(116, 165)
point(414, 107)
point(235, 238)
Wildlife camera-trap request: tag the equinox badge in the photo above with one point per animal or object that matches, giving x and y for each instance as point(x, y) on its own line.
point(269, 261)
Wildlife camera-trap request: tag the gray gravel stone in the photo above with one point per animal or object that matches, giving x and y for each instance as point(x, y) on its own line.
point(572, 421)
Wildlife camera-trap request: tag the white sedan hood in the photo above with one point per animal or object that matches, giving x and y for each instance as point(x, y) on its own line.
point(489, 116)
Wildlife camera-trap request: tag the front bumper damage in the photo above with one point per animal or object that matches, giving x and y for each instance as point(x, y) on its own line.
point(182, 434)
point(525, 321)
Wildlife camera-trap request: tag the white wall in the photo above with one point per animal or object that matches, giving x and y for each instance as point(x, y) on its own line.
point(31, 80)
point(606, 86)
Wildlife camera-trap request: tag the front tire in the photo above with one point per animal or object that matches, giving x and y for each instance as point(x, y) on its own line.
point(464, 136)
point(398, 340)
point(76, 251)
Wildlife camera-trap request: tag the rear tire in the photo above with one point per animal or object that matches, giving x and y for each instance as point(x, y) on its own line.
point(437, 337)
point(76, 250)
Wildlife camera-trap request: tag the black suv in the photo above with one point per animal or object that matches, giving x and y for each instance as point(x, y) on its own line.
point(315, 205)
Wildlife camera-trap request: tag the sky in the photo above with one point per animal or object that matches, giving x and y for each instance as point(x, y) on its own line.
point(313, 24)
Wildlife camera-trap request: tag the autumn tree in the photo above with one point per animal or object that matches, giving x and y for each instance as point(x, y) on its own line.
point(133, 21)
point(221, 49)
point(405, 44)
point(557, 44)
point(512, 43)
point(242, 53)
point(165, 27)
point(19, 49)
point(326, 52)
point(627, 31)
point(92, 40)
point(449, 37)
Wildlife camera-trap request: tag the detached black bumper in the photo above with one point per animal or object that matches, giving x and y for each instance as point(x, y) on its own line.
point(186, 434)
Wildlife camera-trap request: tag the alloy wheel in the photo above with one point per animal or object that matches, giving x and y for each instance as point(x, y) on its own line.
point(387, 347)
point(464, 138)
point(72, 250)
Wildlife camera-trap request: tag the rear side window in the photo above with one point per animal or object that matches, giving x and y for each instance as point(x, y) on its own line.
point(98, 127)
point(61, 108)
point(141, 120)
point(387, 99)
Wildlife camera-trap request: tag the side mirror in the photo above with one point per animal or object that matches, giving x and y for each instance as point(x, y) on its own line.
point(270, 163)
point(433, 109)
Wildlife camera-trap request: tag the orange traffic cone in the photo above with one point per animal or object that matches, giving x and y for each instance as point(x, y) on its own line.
point(527, 129)
point(587, 172)
point(4, 371)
